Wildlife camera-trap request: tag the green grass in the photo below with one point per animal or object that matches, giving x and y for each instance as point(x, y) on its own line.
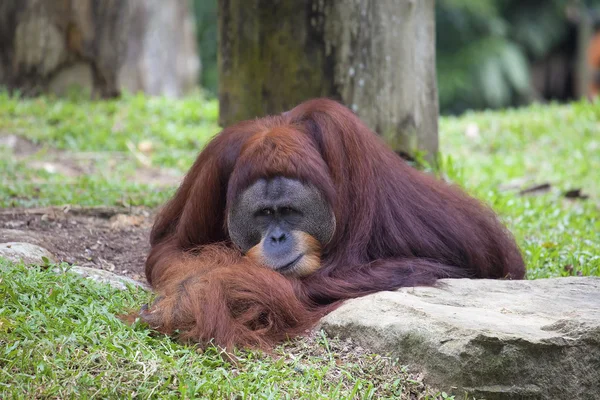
point(176, 131)
point(23, 186)
point(59, 338)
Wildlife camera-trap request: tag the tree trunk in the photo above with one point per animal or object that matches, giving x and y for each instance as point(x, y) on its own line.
point(102, 46)
point(375, 56)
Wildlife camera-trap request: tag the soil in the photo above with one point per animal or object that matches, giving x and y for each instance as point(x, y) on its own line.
point(109, 238)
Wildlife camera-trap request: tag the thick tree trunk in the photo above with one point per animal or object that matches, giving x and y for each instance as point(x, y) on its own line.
point(375, 56)
point(100, 45)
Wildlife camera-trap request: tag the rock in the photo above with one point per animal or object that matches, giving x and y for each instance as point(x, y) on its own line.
point(24, 236)
point(494, 339)
point(27, 252)
point(99, 275)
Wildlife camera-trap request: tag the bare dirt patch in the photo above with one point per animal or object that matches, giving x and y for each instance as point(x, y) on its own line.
point(114, 239)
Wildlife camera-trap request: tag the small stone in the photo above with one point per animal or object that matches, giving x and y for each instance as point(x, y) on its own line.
point(30, 254)
point(14, 224)
point(99, 275)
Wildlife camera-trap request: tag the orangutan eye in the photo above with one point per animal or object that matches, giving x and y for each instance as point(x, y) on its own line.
point(265, 212)
point(286, 210)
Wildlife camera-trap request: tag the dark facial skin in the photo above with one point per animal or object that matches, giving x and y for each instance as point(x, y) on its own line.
point(276, 214)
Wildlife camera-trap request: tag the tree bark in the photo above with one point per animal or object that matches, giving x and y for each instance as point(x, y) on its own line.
point(375, 56)
point(102, 46)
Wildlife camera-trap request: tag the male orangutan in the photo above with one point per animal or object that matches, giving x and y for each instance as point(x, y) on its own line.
point(282, 218)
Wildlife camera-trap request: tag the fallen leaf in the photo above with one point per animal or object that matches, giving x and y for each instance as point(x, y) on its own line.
point(145, 146)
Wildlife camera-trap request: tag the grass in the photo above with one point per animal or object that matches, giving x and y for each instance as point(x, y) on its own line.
point(178, 129)
point(175, 132)
point(59, 336)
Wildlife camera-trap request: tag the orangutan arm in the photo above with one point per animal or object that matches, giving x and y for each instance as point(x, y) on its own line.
point(222, 296)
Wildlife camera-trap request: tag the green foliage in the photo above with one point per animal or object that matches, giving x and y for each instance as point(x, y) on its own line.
point(485, 47)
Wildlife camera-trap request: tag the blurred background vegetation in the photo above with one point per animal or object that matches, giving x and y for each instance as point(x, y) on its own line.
point(490, 53)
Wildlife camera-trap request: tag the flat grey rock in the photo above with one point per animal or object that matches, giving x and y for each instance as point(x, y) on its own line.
point(27, 252)
point(100, 275)
point(494, 339)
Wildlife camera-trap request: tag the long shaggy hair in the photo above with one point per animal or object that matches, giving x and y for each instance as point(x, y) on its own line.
point(395, 227)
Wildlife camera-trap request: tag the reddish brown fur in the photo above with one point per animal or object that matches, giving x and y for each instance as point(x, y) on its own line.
point(396, 227)
point(223, 296)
